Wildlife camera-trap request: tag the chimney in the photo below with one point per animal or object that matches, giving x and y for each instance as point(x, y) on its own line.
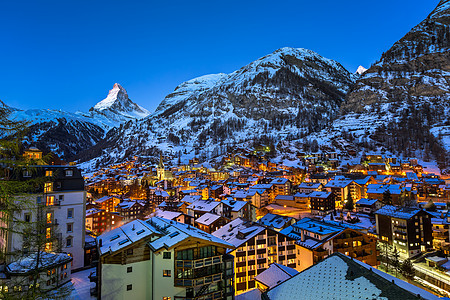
point(303, 235)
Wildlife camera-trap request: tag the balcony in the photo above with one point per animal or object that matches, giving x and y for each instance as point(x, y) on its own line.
point(199, 263)
point(198, 281)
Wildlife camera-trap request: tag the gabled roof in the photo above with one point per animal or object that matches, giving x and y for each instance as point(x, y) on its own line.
point(207, 219)
point(238, 231)
point(275, 221)
point(365, 201)
point(399, 212)
point(234, 204)
point(204, 205)
point(168, 233)
point(341, 183)
point(309, 185)
point(105, 198)
point(340, 277)
point(275, 275)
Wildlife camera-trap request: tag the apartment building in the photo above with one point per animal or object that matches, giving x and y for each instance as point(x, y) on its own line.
point(408, 229)
point(61, 203)
point(256, 248)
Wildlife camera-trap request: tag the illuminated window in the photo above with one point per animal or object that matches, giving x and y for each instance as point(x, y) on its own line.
point(48, 187)
point(49, 217)
point(48, 246)
point(48, 233)
point(49, 173)
point(167, 273)
point(50, 200)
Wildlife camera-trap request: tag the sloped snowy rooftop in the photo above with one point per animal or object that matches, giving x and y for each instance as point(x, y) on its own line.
point(275, 274)
point(339, 277)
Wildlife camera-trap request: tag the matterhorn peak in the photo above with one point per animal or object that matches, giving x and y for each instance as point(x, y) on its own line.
point(116, 94)
point(360, 70)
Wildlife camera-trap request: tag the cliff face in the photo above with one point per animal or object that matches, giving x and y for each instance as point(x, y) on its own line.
point(417, 67)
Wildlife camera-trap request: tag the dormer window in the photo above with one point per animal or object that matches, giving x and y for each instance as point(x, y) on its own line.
point(69, 173)
point(49, 173)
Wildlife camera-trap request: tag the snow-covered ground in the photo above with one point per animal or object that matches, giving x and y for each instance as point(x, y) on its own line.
point(82, 285)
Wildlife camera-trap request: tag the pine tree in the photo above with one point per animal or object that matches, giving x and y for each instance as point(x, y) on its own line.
point(387, 198)
point(36, 233)
point(349, 204)
point(408, 269)
point(395, 260)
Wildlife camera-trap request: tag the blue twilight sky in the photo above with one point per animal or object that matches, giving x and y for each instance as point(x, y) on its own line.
point(67, 54)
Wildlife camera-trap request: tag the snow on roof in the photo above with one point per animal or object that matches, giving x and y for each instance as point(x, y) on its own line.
point(275, 275)
point(176, 232)
point(166, 214)
point(262, 186)
point(230, 232)
point(284, 197)
point(46, 260)
point(279, 181)
point(309, 185)
point(234, 204)
point(136, 230)
point(398, 212)
point(105, 198)
point(129, 204)
point(204, 205)
point(93, 211)
point(394, 189)
point(436, 259)
point(191, 198)
point(317, 194)
point(249, 295)
point(207, 219)
point(365, 201)
point(339, 277)
point(275, 221)
point(338, 183)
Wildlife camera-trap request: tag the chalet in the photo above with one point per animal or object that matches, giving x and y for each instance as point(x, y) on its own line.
point(241, 209)
point(210, 222)
point(322, 203)
point(318, 239)
point(307, 187)
point(108, 203)
point(200, 207)
point(99, 220)
point(276, 222)
point(368, 206)
point(163, 259)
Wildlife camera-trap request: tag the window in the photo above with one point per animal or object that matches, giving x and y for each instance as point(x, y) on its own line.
point(48, 187)
point(69, 213)
point(27, 217)
point(26, 173)
point(69, 242)
point(167, 298)
point(69, 227)
point(130, 252)
point(166, 255)
point(167, 273)
point(48, 233)
point(129, 269)
point(69, 173)
point(50, 200)
point(48, 173)
point(61, 197)
point(129, 287)
point(49, 217)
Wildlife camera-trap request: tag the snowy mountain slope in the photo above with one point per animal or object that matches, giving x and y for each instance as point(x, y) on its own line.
point(402, 102)
point(67, 134)
point(288, 93)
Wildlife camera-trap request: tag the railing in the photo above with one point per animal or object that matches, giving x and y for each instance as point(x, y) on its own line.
point(199, 263)
point(198, 281)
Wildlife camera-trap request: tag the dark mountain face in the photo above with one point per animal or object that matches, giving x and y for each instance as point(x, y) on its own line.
point(417, 67)
point(403, 100)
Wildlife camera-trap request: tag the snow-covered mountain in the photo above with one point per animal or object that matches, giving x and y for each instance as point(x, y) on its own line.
point(68, 134)
point(117, 108)
point(402, 102)
point(361, 70)
point(286, 94)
